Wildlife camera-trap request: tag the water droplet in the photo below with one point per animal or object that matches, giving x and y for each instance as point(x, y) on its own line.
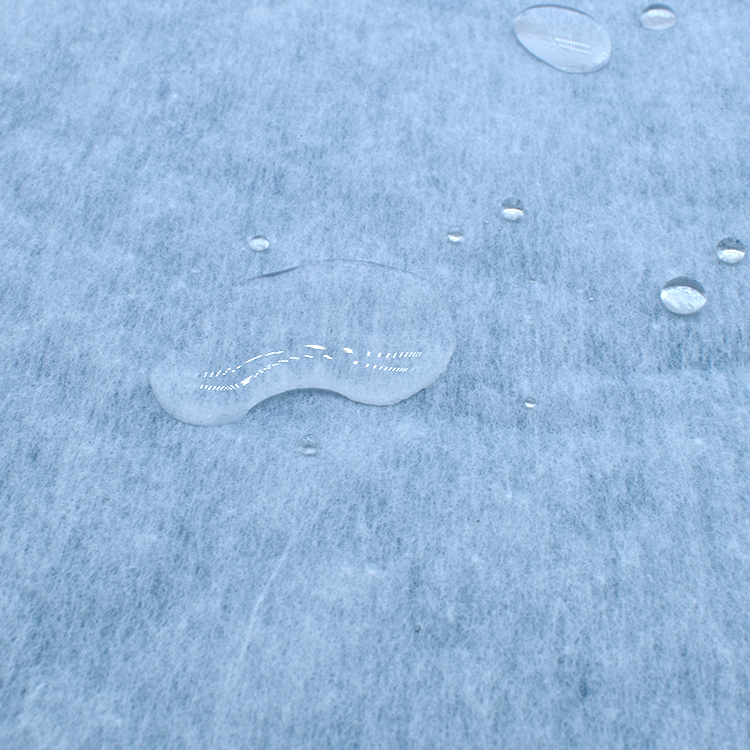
point(730, 250)
point(455, 235)
point(371, 333)
point(309, 445)
point(683, 296)
point(511, 209)
point(258, 243)
point(658, 17)
point(564, 38)
point(529, 403)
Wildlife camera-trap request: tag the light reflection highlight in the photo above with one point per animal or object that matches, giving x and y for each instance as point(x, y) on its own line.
point(290, 358)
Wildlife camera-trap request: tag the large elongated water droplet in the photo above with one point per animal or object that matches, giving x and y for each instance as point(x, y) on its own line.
point(369, 332)
point(564, 38)
point(683, 296)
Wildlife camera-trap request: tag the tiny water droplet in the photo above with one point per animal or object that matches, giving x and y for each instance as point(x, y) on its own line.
point(564, 38)
point(511, 209)
point(455, 235)
point(258, 243)
point(529, 403)
point(683, 296)
point(658, 17)
point(309, 445)
point(730, 250)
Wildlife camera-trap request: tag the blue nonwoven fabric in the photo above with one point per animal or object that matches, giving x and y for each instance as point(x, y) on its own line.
point(460, 570)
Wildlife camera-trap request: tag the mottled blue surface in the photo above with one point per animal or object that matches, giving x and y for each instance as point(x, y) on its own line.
point(456, 571)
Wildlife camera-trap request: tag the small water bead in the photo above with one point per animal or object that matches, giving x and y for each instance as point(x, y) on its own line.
point(564, 38)
point(455, 235)
point(730, 250)
point(258, 243)
point(511, 209)
point(658, 17)
point(309, 445)
point(683, 296)
point(529, 403)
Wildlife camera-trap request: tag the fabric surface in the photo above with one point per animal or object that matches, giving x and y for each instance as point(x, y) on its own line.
point(459, 570)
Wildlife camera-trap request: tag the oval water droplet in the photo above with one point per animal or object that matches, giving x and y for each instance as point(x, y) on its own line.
point(564, 38)
point(309, 445)
point(529, 403)
point(371, 333)
point(683, 296)
point(730, 250)
point(455, 235)
point(258, 243)
point(511, 209)
point(658, 17)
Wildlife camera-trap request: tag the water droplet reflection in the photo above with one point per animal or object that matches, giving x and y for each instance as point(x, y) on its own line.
point(455, 235)
point(511, 209)
point(529, 403)
point(730, 250)
point(309, 445)
point(371, 333)
point(683, 296)
point(658, 17)
point(258, 243)
point(564, 38)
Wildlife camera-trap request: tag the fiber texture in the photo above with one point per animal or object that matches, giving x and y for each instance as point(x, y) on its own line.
point(455, 571)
